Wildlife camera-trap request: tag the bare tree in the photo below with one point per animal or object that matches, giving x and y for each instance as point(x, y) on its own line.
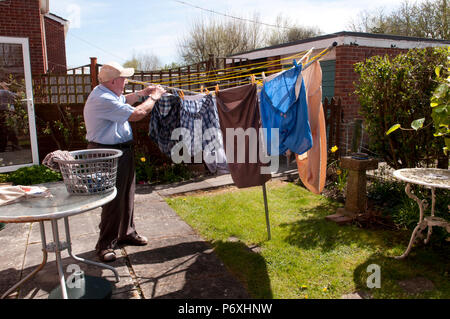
point(428, 19)
point(289, 32)
point(220, 37)
point(146, 61)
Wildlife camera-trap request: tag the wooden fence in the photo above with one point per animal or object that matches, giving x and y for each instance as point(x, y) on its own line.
point(75, 86)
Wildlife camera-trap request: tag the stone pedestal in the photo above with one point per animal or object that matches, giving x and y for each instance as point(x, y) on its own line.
point(356, 195)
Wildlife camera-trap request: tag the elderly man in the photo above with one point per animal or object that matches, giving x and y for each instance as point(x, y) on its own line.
point(107, 114)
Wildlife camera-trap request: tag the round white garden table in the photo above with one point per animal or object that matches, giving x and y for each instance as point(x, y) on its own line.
point(61, 205)
point(430, 178)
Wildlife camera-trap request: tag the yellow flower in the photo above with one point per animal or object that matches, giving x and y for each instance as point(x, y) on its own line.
point(143, 159)
point(304, 287)
point(306, 297)
point(325, 289)
point(334, 149)
point(338, 171)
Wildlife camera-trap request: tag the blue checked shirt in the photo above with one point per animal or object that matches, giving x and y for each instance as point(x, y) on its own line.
point(199, 116)
point(165, 117)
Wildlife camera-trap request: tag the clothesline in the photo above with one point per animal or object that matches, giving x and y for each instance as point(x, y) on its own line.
point(261, 65)
point(312, 60)
point(228, 75)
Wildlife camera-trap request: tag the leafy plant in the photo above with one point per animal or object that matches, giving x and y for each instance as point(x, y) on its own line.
point(398, 91)
point(66, 130)
point(439, 104)
point(338, 175)
point(35, 174)
point(3, 178)
point(391, 198)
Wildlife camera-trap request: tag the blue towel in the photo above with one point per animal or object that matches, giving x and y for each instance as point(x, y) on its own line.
point(281, 108)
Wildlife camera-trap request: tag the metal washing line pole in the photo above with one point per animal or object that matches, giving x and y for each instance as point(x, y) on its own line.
point(266, 207)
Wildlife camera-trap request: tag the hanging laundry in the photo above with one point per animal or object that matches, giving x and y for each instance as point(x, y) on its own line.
point(312, 167)
point(199, 116)
point(238, 110)
point(283, 106)
point(219, 164)
point(165, 117)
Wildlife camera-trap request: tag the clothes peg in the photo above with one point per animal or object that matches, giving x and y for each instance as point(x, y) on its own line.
point(181, 93)
point(206, 91)
point(201, 88)
point(253, 79)
point(217, 89)
point(305, 56)
point(263, 75)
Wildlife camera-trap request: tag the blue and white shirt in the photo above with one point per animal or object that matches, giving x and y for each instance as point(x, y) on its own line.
point(106, 117)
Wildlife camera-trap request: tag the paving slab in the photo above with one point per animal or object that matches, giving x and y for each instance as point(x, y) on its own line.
point(416, 285)
point(13, 243)
point(183, 266)
point(357, 295)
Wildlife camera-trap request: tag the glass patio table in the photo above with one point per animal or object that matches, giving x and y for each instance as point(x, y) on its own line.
point(61, 205)
point(430, 178)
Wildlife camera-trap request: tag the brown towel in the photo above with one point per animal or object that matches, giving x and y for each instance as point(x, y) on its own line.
point(238, 108)
point(312, 166)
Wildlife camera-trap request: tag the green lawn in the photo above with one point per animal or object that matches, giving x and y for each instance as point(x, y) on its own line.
point(308, 256)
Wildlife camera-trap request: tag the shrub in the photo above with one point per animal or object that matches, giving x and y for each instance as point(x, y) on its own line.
point(3, 178)
point(440, 103)
point(148, 172)
point(399, 90)
point(35, 174)
point(391, 197)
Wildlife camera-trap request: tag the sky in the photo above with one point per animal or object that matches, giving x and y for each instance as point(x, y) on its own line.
point(112, 30)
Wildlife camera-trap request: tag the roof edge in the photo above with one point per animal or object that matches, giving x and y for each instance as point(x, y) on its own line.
point(345, 33)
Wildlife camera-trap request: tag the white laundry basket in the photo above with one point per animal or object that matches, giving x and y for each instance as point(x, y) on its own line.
point(93, 171)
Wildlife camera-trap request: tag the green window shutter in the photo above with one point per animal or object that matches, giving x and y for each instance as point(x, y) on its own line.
point(328, 74)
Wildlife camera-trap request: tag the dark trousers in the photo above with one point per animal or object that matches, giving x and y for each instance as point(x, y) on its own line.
point(117, 216)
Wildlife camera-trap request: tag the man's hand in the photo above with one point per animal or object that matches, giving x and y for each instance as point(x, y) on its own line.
point(148, 90)
point(156, 91)
point(143, 109)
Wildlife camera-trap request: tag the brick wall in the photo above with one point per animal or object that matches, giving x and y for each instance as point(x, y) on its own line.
point(56, 47)
point(346, 57)
point(22, 18)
